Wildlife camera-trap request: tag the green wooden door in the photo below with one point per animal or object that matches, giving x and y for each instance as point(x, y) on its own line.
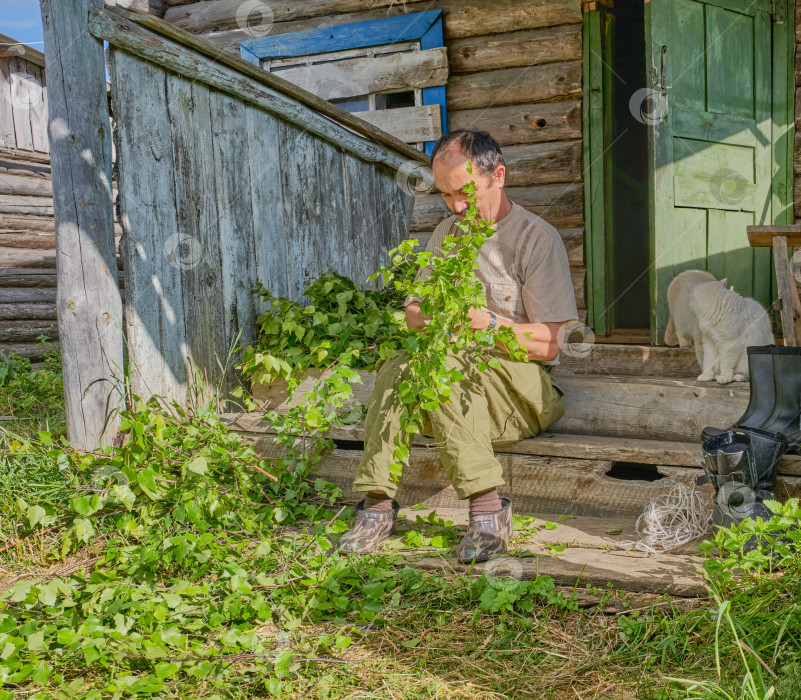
point(709, 107)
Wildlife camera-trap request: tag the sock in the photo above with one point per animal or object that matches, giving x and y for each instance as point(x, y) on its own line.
point(377, 503)
point(485, 502)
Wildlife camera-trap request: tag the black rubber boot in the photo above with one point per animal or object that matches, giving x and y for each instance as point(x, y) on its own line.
point(762, 398)
point(742, 466)
point(785, 418)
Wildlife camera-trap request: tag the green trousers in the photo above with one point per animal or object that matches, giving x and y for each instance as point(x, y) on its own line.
point(487, 409)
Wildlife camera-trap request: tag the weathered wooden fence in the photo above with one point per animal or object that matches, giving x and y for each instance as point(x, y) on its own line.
point(229, 176)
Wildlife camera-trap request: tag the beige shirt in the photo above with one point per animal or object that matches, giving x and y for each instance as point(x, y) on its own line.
point(523, 269)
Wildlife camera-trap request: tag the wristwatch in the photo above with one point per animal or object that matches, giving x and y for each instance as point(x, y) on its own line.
point(493, 320)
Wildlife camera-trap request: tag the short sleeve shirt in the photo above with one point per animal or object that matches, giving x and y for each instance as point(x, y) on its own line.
point(522, 267)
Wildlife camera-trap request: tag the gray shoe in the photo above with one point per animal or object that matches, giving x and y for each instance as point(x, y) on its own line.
point(369, 530)
point(487, 535)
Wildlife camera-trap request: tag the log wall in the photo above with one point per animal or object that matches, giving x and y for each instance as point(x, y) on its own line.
point(515, 71)
point(27, 233)
point(797, 143)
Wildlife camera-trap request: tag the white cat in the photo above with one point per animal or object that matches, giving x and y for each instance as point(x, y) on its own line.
point(729, 323)
point(682, 328)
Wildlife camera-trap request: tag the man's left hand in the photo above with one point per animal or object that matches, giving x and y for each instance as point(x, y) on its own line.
point(479, 319)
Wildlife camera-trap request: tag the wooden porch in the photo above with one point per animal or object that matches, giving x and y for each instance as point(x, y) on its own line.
point(631, 431)
point(634, 416)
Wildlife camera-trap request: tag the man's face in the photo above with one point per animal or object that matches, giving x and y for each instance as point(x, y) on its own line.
point(451, 176)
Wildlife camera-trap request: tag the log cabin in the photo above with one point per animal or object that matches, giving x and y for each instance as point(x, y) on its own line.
point(27, 233)
point(651, 134)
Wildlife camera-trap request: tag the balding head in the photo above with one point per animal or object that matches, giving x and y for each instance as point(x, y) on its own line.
point(449, 165)
point(478, 146)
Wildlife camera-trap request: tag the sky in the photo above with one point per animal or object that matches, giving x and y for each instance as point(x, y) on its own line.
point(22, 20)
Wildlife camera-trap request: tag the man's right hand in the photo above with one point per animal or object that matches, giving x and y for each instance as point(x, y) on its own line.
point(415, 320)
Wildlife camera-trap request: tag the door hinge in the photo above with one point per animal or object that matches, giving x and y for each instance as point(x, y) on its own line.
point(777, 11)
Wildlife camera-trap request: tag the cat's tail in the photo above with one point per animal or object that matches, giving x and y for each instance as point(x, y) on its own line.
point(670, 333)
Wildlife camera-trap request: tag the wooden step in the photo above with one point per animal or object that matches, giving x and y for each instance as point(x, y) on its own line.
point(584, 467)
point(614, 449)
point(650, 408)
point(536, 483)
point(628, 360)
point(596, 553)
point(654, 408)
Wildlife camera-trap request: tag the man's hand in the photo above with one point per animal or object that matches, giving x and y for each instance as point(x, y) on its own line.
point(479, 319)
point(415, 320)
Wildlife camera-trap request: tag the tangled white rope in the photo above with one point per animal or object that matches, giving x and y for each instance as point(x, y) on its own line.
point(672, 519)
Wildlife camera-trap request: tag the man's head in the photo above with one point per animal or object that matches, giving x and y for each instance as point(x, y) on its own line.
point(449, 165)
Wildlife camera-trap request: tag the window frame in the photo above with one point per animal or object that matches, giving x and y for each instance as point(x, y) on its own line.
point(425, 27)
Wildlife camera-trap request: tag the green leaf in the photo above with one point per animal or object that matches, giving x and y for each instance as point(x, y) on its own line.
point(166, 669)
point(199, 465)
point(146, 479)
point(48, 593)
point(20, 590)
point(84, 531)
point(90, 653)
point(35, 515)
point(41, 675)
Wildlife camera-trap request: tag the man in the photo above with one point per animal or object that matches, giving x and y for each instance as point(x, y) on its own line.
point(524, 270)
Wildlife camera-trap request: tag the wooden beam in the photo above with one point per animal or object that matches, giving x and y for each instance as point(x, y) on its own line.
point(33, 351)
point(512, 49)
point(462, 17)
point(364, 75)
point(16, 48)
point(27, 331)
point(153, 7)
point(673, 453)
point(762, 236)
point(561, 205)
point(409, 124)
point(528, 123)
point(25, 312)
point(88, 298)
point(515, 85)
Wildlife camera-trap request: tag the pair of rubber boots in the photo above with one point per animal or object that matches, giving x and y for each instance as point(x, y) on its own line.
point(774, 406)
point(741, 462)
point(487, 534)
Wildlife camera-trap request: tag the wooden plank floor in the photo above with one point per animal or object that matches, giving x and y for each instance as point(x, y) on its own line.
point(591, 556)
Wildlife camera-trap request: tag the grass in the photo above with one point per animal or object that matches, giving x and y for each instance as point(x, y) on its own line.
point(447, 636)
point(31, 401)
point(32, 398)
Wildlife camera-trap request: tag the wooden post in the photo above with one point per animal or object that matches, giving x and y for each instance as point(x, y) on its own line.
point(788, 293)
point(88, 298)
point(789, 304)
